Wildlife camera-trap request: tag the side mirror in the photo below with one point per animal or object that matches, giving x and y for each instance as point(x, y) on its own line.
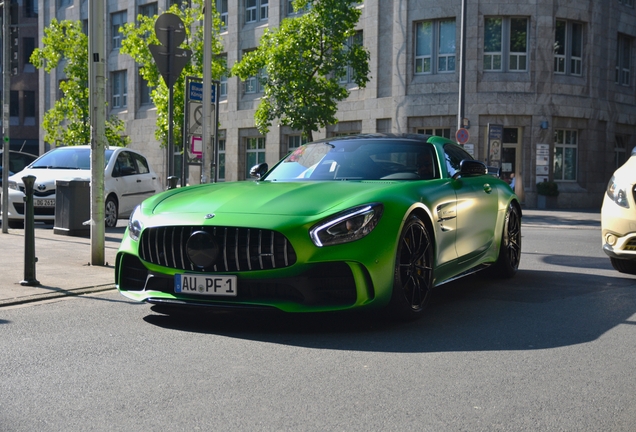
point(469, 167)
point(259, 170)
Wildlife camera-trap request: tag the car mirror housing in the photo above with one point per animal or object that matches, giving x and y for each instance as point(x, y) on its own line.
point(471, 168)
point(259, 170)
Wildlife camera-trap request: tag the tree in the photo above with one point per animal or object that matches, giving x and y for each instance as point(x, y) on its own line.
point(68, 121)
point(301, 63)
point(137, 37)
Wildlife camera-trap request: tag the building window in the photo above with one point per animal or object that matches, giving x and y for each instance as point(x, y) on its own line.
point(629, 3)
point(31, 8)
point(14, 104)
point(221, 7)
point(442, 132)
point(64, 3)
point(28, 46)
point(295, 141)
point(254, 153)
point(566, 143)
point(568, 48)
point(506, 44)
point(620, 150)
point(256, 10)
point(221, 175)
point(223, 87)
point(149, 9)
point(438, 34)
point(120, 89)
point(290, 8)
point(145, 91)
point(623, 59)
point(118, 19)
point(349, 74)
point(29, 103)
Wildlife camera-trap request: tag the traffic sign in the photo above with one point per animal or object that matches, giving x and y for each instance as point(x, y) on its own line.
point(462, 135)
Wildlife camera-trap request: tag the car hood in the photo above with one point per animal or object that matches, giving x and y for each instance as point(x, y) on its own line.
point(49, 176)
point(268, 198)
point(626, 172)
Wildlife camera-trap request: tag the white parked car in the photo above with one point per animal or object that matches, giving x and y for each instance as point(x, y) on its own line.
point(128, 180)
point(618, 217)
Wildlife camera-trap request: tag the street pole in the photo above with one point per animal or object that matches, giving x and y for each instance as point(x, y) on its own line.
point(6, 98)
point(206, 129)
point(97, 103)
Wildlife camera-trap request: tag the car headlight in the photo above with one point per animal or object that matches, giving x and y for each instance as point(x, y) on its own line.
point(618, 193)
point(14, 185)
point(347, 226)
point(135, 225)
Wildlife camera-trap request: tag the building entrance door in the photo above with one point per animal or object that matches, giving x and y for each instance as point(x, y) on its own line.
point(510, 171)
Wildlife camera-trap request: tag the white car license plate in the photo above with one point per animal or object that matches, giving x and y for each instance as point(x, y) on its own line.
point(205, 285)
point(44, 203)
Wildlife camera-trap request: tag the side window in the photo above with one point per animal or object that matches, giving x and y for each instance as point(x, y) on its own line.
point(142, 164)
point(124, 165)
point(454, 155)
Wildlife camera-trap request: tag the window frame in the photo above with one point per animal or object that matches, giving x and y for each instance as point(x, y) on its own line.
point(119, 89)
point(565, 140)
point(429, 56)
point(504, 58)
point(624, 50)
point(258, 148)
point(565, 60)
point(256, 11)
point(116, 36)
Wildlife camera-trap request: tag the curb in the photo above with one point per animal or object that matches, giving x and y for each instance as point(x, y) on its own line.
point(56, 294)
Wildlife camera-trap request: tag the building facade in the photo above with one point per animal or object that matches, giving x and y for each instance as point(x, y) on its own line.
point(549, 86)
point(23, 97)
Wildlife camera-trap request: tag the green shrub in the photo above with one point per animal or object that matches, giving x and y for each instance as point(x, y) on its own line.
point(548, 188)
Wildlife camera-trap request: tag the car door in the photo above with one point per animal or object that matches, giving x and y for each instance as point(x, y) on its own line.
point(477, 206)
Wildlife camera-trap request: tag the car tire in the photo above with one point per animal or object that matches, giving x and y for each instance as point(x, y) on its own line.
point(624, 266)
point(413, 275)
point(509, 257)
point(111, 212)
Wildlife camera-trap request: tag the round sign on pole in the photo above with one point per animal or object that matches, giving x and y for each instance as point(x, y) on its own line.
point(462, 136)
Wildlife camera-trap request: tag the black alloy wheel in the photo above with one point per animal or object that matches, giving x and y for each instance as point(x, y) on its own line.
point(110, 212)
point(510, 250)
point(413, 279)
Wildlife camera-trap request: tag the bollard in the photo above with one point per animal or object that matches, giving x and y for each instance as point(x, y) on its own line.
point(29, 234)
point(172, 182)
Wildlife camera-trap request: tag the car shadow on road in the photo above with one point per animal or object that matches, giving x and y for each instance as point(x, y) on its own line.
point(535, 310)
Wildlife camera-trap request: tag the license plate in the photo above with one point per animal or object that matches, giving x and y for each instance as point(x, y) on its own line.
point(205, 285)
point(44, 203)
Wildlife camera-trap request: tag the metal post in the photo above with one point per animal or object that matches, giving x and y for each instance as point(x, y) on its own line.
point(206, 130)
point(29, 234)
point(462, 67)
point(6, 98)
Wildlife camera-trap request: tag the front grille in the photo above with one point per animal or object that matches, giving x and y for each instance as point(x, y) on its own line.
point(240, 249)
point(630, 245)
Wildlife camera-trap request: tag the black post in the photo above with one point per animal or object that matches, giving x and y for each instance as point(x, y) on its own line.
point(29, 234)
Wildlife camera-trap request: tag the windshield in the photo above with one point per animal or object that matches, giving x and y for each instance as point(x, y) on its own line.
point(358, 160)
point(68, 158)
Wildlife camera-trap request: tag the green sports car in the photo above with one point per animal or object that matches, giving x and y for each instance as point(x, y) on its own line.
point(365, 221)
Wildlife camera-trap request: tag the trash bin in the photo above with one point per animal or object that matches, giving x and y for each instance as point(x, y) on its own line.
point(72, 207)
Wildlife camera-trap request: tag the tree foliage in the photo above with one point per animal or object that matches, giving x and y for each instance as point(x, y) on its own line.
point(301, 63)
point(138, 36)
point(68, 121)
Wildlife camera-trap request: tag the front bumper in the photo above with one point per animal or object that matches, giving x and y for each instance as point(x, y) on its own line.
point(327, 286)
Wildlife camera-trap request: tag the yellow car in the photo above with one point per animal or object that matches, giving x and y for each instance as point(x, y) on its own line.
point(618, 217)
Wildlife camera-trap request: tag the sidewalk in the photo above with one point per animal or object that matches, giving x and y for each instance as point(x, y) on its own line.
point(63, 267)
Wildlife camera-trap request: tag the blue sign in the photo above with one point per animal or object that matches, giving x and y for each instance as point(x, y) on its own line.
point(195, 92)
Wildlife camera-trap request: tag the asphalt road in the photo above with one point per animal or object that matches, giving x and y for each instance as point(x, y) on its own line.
point(550, 350)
